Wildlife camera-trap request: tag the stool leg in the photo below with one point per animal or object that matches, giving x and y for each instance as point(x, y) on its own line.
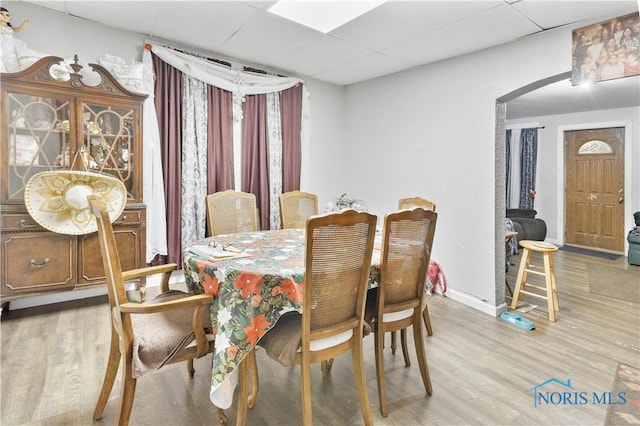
point(551, 297)
point(554, 287)
point(522, 277)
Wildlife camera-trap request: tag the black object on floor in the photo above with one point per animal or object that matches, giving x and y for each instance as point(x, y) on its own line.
point(595, 253)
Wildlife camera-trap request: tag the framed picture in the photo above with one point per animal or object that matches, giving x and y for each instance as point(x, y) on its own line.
point(606, 50)
point(23, 150)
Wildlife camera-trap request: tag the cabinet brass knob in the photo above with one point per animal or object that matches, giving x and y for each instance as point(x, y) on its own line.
point(120, 222)
point(33, 263)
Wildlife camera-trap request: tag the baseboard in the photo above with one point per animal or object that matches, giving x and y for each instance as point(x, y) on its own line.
point(48, 299)
point(475, 303)
point(177, 277)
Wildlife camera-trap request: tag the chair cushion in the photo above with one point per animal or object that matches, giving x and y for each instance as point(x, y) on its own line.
point(396, 316)
point(284, 339)
point(158, 336)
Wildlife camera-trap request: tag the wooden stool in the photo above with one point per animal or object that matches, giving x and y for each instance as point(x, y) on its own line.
point(549, 274)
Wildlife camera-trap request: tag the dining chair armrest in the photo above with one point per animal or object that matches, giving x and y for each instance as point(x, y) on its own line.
point(185, 302)
point(150, 270)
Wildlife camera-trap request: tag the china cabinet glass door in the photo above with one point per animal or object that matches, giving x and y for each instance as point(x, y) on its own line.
point(108, 139)
point(38, 135)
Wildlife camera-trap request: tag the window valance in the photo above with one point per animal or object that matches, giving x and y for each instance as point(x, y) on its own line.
point(236, 81)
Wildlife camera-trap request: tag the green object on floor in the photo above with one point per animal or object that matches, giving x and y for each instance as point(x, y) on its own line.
point(517, 320)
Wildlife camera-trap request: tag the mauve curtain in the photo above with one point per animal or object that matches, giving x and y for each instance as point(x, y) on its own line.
point(291, 113)
point(255, 144)
point(168, 96)
point(528, 161)
point(255, 158)
point(220, 176)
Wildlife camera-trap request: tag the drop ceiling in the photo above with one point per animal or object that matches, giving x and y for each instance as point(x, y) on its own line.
point(393, 37)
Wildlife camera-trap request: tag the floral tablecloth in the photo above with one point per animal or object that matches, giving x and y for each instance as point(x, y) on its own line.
point(250, 294)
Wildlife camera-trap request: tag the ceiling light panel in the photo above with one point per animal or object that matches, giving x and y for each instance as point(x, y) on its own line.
point(323, 16)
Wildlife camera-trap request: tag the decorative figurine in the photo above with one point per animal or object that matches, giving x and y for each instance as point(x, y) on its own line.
point(9, 46)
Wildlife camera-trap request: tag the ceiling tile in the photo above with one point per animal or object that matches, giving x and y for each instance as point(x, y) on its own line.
point(565, 12)
point(397, 21)
point(321, 54)
point(138, 15)
point(204, 24)
point(267, 38)
point(465, 36)
point(363, 68)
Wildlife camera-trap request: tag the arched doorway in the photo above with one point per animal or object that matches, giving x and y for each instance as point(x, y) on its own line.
point(500, 186)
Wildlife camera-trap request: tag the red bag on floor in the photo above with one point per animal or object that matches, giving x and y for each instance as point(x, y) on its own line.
point(436, 276)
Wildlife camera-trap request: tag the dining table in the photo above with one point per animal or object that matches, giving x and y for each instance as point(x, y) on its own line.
point(254, 278)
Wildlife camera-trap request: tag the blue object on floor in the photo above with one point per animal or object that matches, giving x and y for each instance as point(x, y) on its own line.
point(517, 320)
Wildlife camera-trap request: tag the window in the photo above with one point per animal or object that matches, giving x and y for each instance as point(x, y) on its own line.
point(595, 147)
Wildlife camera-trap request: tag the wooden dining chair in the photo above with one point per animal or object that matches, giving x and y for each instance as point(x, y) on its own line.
point(409, 203)
point(229, 212)
point(338, 252)
point(406, 246)
point(146, 336)
point(296, 207)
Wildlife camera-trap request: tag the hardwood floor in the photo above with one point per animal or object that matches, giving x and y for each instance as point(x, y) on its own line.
point(482, 368)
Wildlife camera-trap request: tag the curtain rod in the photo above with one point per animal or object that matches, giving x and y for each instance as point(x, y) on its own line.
point(524, 126)
point(217, 61)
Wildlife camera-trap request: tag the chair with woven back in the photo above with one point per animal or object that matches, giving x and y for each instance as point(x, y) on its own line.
point(229, 212)
point(146, 336)
point(409, 203)
point(338, 252)
point(407, 238)
point(296, 207)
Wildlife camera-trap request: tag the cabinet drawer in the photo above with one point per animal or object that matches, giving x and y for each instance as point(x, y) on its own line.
point(128, 217)
point(35, 261)
point(19, 222)
point(128, 240)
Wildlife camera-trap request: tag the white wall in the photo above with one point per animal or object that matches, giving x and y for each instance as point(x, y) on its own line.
point(429, 131)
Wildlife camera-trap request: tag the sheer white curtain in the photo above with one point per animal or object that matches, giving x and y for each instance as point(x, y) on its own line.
point(138, 77)
point(274, 126)
point(194, 160)
point(235, 81)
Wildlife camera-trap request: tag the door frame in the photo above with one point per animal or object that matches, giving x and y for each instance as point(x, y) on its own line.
point(628, 214)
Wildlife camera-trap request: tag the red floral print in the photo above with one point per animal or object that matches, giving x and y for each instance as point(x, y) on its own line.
point(290, 288)
point(256, 329)
point(211, 285)
point(249, 283)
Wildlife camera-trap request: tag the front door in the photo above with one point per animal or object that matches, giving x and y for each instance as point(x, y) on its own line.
point(594, 195)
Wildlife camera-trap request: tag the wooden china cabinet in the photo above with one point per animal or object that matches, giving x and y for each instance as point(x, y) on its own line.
point(49, 113)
